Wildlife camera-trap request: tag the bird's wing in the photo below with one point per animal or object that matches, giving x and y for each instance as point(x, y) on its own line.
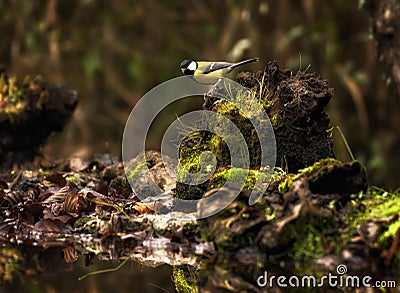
point(215, 66)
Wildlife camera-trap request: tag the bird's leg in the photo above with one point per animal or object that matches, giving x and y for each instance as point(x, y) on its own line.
point(208, 95)
point(211, 91)
point(206, 103)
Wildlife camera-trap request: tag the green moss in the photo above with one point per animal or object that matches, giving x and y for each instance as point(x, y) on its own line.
point(266, 103)
point(185, 282)
point(390, 232)
point(201, 141)
point(193, 146)
point(379, 205)
point(219, 178)
point(276, 122)
point(217, 147)
point(198, 142)
point(269, 213)
point(72, 178)
point(12, 94)
point(223, 107)
point(317, 166)
point(307, 244)
point(132, 175)
point(43, 172)
point(384, 207)
point(285, 183)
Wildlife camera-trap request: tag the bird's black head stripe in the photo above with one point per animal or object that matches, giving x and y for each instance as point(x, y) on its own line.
point(185, 63)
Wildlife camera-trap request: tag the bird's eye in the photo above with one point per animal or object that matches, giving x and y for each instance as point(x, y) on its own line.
point(185, 63)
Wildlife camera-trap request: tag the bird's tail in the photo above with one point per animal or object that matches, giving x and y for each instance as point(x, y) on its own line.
point(252, 60)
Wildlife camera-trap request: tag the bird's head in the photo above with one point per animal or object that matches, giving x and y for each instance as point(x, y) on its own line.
point(188, 67)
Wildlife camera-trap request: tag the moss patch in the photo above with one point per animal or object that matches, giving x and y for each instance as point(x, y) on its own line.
point(184, 279)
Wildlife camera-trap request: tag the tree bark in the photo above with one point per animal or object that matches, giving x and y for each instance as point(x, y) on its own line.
point(385, 17)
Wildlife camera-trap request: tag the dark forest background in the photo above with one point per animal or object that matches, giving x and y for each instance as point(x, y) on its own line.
point(113, 52)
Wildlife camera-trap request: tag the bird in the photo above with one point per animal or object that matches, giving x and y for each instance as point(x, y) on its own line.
point(206, 71)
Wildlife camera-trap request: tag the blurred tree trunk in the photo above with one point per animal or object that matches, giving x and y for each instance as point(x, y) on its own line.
point(385, 24)
point(385, 16)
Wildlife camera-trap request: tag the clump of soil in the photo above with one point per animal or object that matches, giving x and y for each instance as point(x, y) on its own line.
point(30, 110)
point(295, 105)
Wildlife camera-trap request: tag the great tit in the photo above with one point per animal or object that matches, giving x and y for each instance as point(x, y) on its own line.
point(202, 71)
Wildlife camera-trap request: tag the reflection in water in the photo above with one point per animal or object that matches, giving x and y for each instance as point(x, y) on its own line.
point(44, 270)
point(55, 269)
point(44, 254)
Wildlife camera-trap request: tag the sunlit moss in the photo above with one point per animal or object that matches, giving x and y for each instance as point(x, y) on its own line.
point(276, 121)
point(72, 178)
point(219, 178)
point(310, 172)
point(285, 185)
point(12, 94)
point(43, 172)
point(378, 205)
point(269, 213)
point(184, 284)
point(383, 205)
point(215, 146)
point(391, 231)
point(189, 156)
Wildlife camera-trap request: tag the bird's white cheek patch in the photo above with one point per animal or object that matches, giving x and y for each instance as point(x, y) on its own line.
point(192, 66)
